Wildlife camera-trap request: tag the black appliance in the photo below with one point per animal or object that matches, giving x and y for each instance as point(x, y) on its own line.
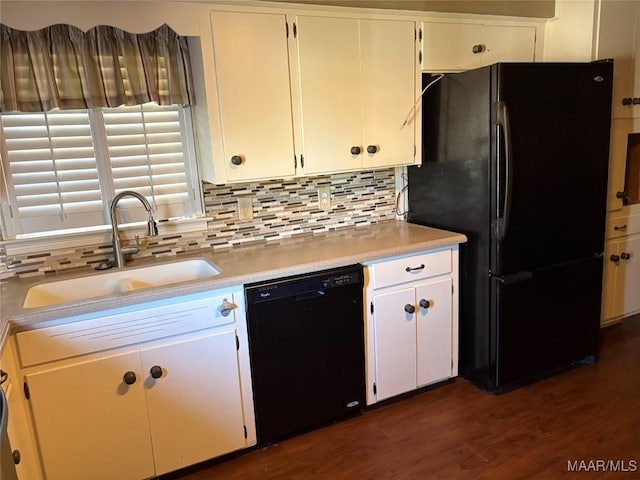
point(515, 156)
point(306, 344)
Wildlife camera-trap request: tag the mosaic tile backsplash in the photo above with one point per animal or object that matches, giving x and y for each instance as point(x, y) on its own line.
point(281, 208)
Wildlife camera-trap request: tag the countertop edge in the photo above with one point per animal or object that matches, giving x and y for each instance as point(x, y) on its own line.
point(234, 273)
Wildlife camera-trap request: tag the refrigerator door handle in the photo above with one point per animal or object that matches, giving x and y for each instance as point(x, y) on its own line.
point(515, 278)
point(503, 121)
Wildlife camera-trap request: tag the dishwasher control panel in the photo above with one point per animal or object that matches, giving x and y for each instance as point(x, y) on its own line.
point(300, 284)
point(341, 280)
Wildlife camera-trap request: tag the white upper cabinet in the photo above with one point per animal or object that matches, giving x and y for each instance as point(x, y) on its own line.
point(330, 100)
point(282, 93)
point(455, 46)
point(389, 88)
point(357, 84)
point(619, 39)
point(503, 43)
point(252, 134)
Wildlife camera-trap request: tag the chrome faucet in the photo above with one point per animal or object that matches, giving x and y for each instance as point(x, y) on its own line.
point(152, 228)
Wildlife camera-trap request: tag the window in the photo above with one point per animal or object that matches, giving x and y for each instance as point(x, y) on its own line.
point(62, 168)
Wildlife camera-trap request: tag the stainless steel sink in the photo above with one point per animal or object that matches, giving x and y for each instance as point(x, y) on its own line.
point(118, 281)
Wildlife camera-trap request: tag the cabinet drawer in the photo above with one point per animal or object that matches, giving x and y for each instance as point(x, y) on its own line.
point(111, 331)
point(621, 225)
point(410, 269)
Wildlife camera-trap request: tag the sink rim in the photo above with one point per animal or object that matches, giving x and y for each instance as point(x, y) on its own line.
point(107, 275)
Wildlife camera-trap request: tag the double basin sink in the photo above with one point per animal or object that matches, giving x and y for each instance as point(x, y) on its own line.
point(118, 281)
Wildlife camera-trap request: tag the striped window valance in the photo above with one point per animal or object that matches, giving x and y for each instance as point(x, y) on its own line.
point(63, 67)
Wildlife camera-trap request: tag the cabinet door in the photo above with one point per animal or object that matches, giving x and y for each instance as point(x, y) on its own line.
point(388, 91)
point(89, 423)
point(451, 47)
point(395, 339)
point(628, 277)
point(19, 431)
point(252, 74)
point(329, 85)
point(17, 435)
point(508, 44)
point(195, 407)
point(448, 47)
point(434, 331)
point(609, 310)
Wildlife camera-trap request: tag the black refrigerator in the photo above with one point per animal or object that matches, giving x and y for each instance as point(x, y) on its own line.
point(515, 156)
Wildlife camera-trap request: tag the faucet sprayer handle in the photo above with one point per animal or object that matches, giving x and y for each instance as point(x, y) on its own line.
point(131, 249)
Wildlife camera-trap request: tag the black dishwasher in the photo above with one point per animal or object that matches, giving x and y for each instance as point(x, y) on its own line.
point(306, 343)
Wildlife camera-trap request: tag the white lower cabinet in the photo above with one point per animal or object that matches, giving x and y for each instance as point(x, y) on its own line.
point(141, 410)
point(412, 322)
point(19, 433)
point(434, 331)
point(210, 422)
point(621, 279)
point(89, 423)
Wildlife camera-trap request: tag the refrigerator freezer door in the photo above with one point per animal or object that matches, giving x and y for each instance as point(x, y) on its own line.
point(559, 117)
point(545, 320)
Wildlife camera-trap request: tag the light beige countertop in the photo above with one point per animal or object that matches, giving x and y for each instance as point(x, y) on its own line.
point(238, 266)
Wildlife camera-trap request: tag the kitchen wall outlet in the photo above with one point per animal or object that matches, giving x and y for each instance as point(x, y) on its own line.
point(324, 197)
point(245, 208)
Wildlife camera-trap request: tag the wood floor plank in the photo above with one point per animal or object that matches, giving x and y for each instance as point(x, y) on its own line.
point(456, 431)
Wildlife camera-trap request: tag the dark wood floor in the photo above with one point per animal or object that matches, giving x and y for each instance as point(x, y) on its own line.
point(455, 431)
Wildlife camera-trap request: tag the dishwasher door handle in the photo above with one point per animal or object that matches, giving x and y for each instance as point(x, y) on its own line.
point(309, 295)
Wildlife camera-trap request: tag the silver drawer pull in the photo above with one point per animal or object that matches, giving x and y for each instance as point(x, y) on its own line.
point(414, 269)
point(620, 228)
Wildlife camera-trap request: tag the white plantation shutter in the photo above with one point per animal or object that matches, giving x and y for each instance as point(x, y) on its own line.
point(146, 148)
point(63, 168)
point(50, 162)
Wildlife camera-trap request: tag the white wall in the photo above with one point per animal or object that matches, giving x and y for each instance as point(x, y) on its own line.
point(133, 16)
